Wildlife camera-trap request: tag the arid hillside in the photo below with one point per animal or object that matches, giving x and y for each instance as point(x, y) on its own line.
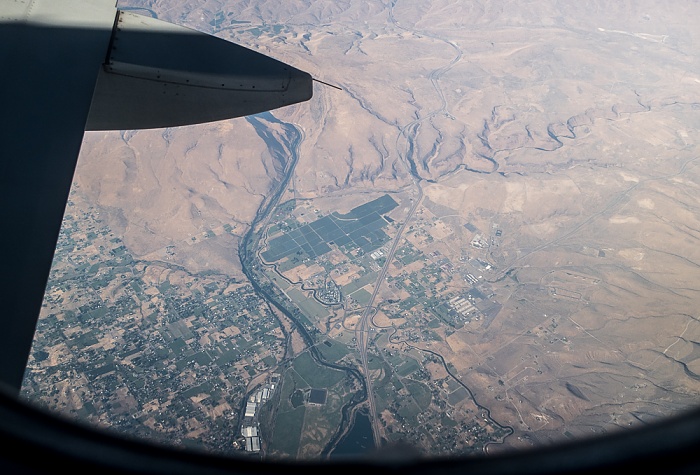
point(554, 145)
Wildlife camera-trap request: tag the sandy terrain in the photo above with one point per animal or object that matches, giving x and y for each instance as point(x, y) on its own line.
point(570, 126)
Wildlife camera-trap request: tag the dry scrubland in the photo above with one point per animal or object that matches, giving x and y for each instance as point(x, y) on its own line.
point(573, 126)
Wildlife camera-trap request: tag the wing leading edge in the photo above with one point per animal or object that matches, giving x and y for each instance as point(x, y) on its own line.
point(158, 74)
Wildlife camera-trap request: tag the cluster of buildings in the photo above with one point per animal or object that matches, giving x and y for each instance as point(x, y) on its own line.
point(249, 429)
point(377, 254)
point(462, 305)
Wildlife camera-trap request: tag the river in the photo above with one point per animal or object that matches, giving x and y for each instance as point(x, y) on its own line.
point(285, 149)
point(358, 441)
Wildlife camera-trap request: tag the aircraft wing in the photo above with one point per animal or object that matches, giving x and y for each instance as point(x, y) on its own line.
point(67, 66)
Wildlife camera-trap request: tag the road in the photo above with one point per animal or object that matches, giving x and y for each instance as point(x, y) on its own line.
point(405, 150)
point(363, 330)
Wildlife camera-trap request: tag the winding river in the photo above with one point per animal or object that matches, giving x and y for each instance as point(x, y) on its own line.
point(285, 149)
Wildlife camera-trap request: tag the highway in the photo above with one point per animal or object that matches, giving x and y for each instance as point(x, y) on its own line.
point(363, 330)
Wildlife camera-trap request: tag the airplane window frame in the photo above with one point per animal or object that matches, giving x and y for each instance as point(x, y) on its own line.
point(55, 442)
point(34, 441)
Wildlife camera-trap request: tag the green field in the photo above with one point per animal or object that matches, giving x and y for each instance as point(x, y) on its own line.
point(314, 375)
point(408, 366)
point(308, 305)
point(362, 297)
point(360, 228)
point(288, 426)
point(360, 282)
point(332, 350)
point(420, 393)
